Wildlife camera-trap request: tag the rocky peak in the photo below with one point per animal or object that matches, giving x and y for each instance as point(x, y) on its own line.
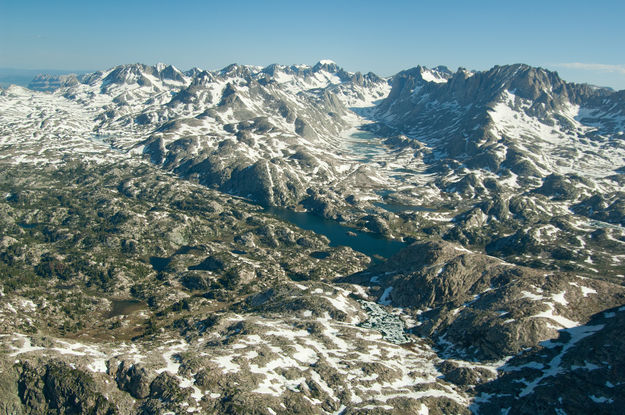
point(365, 80)
point(202, 78)
point(274, 68)
point(327, 65)
point(193, 72)
point(127, 74)
point(529, 83)
point(169, 72)
point(332, 68)
point(443, 69)
point(417, 80)
point(236, 71)
point(199, 83)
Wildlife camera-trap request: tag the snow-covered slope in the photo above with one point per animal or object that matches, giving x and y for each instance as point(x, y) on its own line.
point(264, 133)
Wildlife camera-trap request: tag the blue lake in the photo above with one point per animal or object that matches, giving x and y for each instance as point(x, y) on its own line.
point(340, 235)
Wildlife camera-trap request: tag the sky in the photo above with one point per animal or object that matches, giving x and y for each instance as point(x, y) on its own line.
point(582, 40)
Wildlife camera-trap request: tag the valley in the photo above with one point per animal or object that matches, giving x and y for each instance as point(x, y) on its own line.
point(303, 239)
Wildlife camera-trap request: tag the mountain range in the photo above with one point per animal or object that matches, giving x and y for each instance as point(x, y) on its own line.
point(159, 200)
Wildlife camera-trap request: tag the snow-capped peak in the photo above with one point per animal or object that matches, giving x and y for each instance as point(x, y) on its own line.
point(432, 75)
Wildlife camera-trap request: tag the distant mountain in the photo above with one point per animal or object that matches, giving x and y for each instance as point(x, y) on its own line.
point(23, 77)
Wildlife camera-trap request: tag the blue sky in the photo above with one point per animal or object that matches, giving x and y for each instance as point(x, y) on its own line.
point(582, 40)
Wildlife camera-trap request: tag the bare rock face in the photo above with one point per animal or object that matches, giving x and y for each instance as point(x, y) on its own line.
point(604, 207)
point(133, 379)
point(559, 187)
point(465, 376)
point(165, 395)
point(56, 387)
point(580, 371)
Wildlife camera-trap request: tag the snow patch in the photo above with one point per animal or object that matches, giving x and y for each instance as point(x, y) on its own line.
point(385, 298)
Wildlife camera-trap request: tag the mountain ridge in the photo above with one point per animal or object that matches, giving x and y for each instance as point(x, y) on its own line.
point(137, 194)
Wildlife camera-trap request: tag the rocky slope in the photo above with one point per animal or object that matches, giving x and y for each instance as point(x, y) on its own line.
point(135, 196)
point(486, 308)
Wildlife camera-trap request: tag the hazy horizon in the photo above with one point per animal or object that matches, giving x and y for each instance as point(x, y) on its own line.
point(579, 40)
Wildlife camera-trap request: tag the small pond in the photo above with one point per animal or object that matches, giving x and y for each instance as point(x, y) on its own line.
point(123, 307)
